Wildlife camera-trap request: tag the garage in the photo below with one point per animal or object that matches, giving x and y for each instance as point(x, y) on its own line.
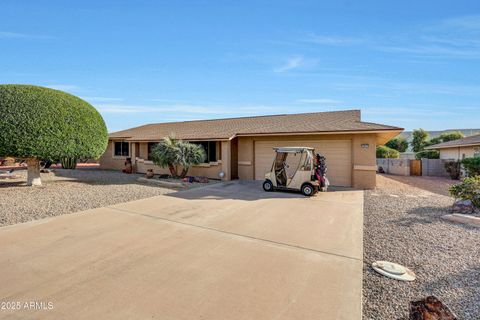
point(337, 152)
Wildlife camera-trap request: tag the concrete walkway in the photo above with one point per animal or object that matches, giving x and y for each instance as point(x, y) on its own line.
point(227, 251)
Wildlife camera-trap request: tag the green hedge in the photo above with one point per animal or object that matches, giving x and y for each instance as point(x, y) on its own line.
point(386, 152)
point(427, 154)
point(400, 144)
point(48, 124)
point(472, 166)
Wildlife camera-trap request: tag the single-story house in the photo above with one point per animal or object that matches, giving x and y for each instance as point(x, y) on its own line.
point(242, 148)
point(458, 149)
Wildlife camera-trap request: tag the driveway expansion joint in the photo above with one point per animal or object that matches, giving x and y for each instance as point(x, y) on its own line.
point(281, 244)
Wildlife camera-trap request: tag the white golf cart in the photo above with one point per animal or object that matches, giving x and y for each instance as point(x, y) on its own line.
point(293, 169)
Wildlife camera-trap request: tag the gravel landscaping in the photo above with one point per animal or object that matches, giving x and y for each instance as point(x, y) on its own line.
point(403, 224)
point(67, 191)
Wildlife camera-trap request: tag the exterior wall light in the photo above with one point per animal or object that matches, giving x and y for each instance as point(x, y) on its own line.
point(365, 145)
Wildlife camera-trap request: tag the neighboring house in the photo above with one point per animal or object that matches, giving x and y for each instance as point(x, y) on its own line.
point(241, 148)
point(408, 135)
point(459, 149)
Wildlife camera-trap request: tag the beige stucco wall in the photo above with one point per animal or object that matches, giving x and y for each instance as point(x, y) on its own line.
point(109, 161)
point(363, 159)
point(210, 171)
point(457, 153)
point(141, 164)
point(245, 158)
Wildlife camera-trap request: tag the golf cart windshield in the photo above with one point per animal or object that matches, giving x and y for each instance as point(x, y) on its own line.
point(290, 160)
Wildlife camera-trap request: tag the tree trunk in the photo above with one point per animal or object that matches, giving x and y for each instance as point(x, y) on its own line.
point(184, 173)
point(173, 170)
point(33, 174)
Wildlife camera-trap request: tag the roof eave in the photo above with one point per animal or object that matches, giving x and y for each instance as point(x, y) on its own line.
point(320, 132)
point(453, 146)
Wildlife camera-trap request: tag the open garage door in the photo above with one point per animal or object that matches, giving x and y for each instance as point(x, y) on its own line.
point(337, 152)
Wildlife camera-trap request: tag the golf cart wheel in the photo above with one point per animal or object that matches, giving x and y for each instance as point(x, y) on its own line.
point(267, 185)
point(308, 190)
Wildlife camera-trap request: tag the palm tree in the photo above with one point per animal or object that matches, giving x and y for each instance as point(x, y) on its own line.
point(189, 154)
point(171, 153)
point(165, 154)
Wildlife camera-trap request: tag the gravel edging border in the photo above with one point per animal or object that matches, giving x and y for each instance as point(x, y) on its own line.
point(463, 218)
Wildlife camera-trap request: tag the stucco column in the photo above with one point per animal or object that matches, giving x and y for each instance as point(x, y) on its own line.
point(226, 159)
point(133, 155)
point(364, 161)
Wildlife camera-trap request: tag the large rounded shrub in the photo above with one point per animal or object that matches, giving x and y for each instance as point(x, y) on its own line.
point(42, 123)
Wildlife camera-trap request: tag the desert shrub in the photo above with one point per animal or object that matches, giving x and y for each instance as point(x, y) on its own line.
point(171, 152)
point(8, 161)
point(468, 189)
point(427, 154)
point(419, 140)
point(400, 144)
point(450, 136)
point(453, 168)
point(68, 163)
point(472, 166)
point(386, 152)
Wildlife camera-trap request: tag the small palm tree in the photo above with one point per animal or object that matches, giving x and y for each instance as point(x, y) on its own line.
point(171, 152)
point(189, 154)
point(164, 154)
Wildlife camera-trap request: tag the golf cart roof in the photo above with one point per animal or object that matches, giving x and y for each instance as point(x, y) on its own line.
point(292, 149)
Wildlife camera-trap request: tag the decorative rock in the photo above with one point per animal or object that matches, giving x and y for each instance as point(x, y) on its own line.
point(463, 206)
point(430, 308)
point(149, 174)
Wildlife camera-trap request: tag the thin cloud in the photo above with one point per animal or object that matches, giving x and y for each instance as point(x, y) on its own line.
point(119, 108)
point(291, 64)
point(167, 100)
point(469, 22)
point(319, 101)
point(334, 40)
point(16, 35)
point(435, 51)
point(102, 99)
point(295, 62)
point(456, 37)
point(64, 87)
point(189, 110)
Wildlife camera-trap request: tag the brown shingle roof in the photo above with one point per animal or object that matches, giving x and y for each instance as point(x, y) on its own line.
point(472, 140)
point(335, 121)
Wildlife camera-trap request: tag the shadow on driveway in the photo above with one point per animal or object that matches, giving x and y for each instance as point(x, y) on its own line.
point(249, 190)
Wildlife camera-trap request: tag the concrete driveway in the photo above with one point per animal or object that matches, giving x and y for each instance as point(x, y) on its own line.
point(227, 251)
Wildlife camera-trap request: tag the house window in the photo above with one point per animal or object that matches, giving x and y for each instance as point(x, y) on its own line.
point(149, 148)
point(476, 152)
point(121, 149)
point(210, 148)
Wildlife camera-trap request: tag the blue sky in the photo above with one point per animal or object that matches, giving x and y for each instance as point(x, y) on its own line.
point(406, 63)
